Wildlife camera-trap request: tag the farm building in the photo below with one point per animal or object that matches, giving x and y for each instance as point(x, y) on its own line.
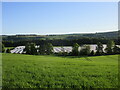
point(20, 49)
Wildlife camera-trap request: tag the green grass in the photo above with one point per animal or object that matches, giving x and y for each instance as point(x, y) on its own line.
point(27, 71)
point(9, 47)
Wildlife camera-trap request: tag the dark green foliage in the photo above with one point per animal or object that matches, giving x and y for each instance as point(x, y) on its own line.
point(85, 50)
point(116, 50)
point(75, 51)
point(49, 48)
point(110, 46)
point(99, 53)
point(27, 48)
point(59, 40)
point(8, 51)
point(62, 49)
point(92, 53)
point(31, 49)
point(99, 49)
point(45, 49)
point(41, 49)
point(62, 54)
point(2, 48)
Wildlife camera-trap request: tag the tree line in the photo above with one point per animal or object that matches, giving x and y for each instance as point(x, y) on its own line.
point(110, 49)
point(58, 42)
point(47, 49)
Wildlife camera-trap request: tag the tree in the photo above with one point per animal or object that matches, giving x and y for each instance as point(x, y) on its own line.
point(92, 53)
point(33, 49)
point(116, 50)
point(99, 49)
point(27, 48)
point(85, 50)
point(41, 49)
point(2, 48)
point(109, 48)
point(30, 49)
point(8, 51)
point(62, 49)
point(63, 52)
point(75, 51)
point(45, 49)
point(49, 48)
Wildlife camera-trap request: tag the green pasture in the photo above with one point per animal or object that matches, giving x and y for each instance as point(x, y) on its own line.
point(45, 71)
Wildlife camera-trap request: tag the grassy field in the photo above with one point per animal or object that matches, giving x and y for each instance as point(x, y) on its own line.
point(27, 71)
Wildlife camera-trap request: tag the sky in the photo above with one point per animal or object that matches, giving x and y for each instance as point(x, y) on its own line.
point(59, 17)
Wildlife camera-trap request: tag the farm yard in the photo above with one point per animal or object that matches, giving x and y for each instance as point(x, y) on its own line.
point(47, 71)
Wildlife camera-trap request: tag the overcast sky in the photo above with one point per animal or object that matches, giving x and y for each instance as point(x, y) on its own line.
point(60, 17)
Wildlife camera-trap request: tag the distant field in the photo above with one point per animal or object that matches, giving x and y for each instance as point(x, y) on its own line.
point(27, 71)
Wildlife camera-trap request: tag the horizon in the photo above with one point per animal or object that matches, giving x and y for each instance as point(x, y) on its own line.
point(60, 33)
point(59, 17)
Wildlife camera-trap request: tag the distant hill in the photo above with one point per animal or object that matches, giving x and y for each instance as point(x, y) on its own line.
point(111, 35)
point(60, 40)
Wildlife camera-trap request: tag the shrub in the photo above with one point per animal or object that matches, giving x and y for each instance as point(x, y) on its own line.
point(92, 53)
point(99, 49)
point(85, 50)
point(75, 51)
point(110, 46)
point(8, 51)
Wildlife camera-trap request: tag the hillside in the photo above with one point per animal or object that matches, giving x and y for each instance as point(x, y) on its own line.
point(62, 36)
point(60, 40)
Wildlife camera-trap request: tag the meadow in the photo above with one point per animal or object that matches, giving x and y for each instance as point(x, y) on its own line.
point(47, 71)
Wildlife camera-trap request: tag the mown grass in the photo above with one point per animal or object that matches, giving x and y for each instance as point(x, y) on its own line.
point(27, 71)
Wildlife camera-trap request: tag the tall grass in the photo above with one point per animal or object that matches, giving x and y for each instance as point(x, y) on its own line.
point(27, 71)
